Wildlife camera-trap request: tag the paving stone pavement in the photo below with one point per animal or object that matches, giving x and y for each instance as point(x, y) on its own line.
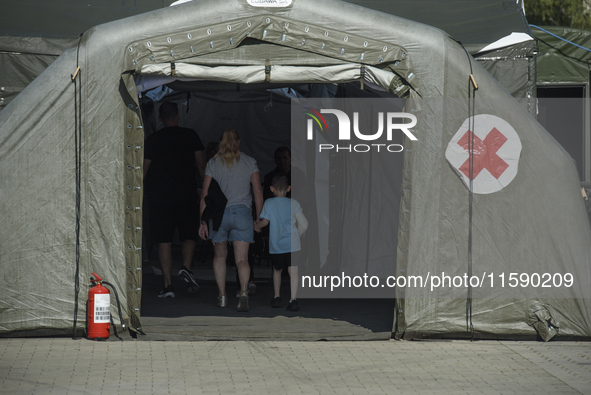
point(66, 366)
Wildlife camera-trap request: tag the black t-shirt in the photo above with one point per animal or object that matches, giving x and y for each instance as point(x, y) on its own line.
point(172, 172)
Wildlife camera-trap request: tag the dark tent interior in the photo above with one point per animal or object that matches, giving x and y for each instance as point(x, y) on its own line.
point(261, 114)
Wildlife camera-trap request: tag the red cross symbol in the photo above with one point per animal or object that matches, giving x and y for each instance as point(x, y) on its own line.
point(485, 153)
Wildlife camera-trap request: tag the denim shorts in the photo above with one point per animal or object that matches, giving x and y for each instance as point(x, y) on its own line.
point(237, 225)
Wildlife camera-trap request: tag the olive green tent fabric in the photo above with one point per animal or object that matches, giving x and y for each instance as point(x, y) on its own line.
point(67, 18)
point(537, 222)
point(475, 24)
point(22, 59)
point(33, 33)
point(560, 61)
point(514, 67)
point(564, 62)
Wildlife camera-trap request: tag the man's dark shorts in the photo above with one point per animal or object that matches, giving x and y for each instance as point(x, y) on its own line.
point(281, 261)
point(165, 217)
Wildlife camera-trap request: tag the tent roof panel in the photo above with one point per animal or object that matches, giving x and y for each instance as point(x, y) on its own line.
point(67, 18)
point(469, 21)
point(560, 61)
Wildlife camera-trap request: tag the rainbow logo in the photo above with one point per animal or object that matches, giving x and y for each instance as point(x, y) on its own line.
point(315, 115)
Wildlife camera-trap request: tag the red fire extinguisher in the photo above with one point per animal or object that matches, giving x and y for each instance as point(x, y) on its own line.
point(98, 309)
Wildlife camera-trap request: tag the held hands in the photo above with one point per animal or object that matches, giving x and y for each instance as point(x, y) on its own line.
point(203, 231)
point(258, 230)
point(260, 223)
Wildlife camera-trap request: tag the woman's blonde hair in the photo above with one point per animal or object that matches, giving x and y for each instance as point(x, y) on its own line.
point(229, 151)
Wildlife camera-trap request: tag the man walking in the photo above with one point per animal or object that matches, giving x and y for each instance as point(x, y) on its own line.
point(170, 157)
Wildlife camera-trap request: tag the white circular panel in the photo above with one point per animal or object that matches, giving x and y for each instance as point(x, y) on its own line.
point(496, 148)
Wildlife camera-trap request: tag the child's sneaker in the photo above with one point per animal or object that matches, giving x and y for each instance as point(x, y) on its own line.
point(293, 306)
point(252, 288)
point(276, 302)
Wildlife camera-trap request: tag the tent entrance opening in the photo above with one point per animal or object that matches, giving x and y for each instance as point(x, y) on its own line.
point(261, 113)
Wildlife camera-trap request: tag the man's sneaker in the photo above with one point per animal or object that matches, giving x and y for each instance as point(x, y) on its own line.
point(166, 292)
point(187, 276)
point(293, 306)
point(243, 301)
point(252, 288)
point(276, 302)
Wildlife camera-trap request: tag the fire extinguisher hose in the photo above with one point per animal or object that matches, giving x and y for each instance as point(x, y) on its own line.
point(118, 307)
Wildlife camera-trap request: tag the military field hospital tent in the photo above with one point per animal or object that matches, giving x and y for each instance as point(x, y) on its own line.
point(497, 207)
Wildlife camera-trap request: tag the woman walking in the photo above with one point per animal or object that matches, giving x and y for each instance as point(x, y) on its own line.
point(234, 172)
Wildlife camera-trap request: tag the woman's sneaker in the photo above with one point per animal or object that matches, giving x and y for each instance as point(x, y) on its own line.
point(187, 276)
point(222, 301)
point(252, 288)
point(166, 292)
